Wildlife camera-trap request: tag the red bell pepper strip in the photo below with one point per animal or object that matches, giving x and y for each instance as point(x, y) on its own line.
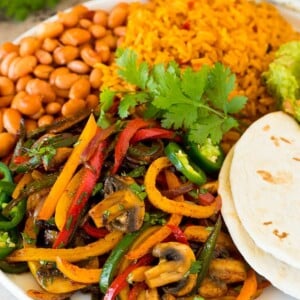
point(89, 179)
point(136, 290)
point(124, 139)
point(206, 198)
point(120, 281)
point(93, 231)
point(178, 234)
point(152, 133)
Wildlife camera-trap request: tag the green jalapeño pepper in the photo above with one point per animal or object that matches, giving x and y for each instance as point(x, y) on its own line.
point(8, 242)
point(179, 158)
point(5, 179)
point(207, 156)
point(15, 216)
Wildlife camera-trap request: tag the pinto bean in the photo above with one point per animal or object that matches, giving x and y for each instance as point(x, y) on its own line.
point(7, 142)
point(50, 45)
point(72, 107)
point(11, 120)
point(30, 124)
point(43, 57)
point(43, 71)
point(53, 108)
point(75, 36)
point(29, 45)
point(27, 104)
point(96, 78)
point(92, 101)
point(5, 101)
point(6, 62)
point(78, 66)
point(80, 89)
point(68, 19)
point(65, 54)
point(50, 30)
point(65, 81)
point(22, 67)
point(90, 56)
point(97, 31)
point(56, 72)
point(7, 86)
point(8, 47)
point(45, 120)
point(118, 15)
point(100, 18)
point(42, 88)
point(22, 82)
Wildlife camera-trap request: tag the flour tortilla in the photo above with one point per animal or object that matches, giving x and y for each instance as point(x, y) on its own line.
point(282, 276)
point(265, 185)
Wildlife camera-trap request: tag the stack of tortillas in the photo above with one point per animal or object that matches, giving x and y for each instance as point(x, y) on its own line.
point(260, 188)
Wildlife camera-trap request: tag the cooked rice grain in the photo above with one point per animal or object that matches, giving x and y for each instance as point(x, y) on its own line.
point(241, 34)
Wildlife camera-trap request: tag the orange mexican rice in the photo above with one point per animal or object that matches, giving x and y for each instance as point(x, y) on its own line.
point(241, 34)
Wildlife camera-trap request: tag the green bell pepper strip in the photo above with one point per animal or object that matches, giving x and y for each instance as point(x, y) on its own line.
point(16, 215)
point(110, 266)
point(13, 268)
point(179, 158)
point(204, 256)
point(6, 177)
point(209, 157)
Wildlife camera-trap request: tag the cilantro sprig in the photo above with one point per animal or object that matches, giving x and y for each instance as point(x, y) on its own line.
point(195, 102)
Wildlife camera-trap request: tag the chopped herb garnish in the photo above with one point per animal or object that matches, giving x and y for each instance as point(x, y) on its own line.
point(196, 102)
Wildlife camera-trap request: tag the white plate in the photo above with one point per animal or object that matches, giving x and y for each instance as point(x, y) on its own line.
point(18, 284)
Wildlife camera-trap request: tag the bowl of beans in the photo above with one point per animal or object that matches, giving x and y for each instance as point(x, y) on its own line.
point(48, 72)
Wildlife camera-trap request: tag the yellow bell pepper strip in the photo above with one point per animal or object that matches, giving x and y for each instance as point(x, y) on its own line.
point(249, 287)
point(164, 231)
point(123, 141)
point(42, 295)
point(77, 274)
point(96, 248)
point(81, 196)
point(170, 206)
point(53, 284)
point(68, 170)
point(25, 179)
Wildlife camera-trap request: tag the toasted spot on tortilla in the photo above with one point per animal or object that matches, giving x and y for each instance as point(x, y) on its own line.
point(267, 223)
point(296, 158)
point(266, 128)
point(275, 140)
point(281, 235)
point(279, 178)
point(285, 140)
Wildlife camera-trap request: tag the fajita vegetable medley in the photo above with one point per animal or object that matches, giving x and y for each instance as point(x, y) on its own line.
point(112, 189)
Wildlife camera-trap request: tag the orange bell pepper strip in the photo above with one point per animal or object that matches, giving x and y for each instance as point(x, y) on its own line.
point(64, 202)
point(170, 206)
point(97, 248)
point(77, 274)
point(42, 295)
point(68, 170)
point(164, 231)
point(249, 287)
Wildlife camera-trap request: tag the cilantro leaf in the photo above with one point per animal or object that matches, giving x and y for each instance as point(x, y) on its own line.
point(194, 83)
point(130, 101)
point(220, 84)
point(196, 267)
point(106, 101)
point(130, 70)
point(236, 104)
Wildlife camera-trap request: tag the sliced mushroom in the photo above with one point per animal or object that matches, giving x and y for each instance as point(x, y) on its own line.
point(122, 210)
point(150, 294)
point(174, 264)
